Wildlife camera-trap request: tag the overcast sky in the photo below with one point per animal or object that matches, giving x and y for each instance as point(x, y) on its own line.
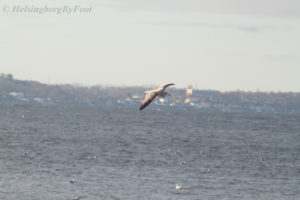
point(214, 44)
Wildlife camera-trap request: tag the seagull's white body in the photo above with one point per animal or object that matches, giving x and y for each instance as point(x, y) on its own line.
point(151, 94)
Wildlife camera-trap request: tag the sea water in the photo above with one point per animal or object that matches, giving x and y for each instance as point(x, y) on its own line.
point(107, 152)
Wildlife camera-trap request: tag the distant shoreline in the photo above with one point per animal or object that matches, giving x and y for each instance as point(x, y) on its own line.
point(20, 91)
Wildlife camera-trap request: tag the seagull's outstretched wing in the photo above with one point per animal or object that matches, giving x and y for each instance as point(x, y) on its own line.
point(148, 99)
point(164, 86)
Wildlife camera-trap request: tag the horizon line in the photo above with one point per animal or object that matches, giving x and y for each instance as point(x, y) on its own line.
point(190, 86)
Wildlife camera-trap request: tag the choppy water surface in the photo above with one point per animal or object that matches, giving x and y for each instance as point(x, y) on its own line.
point(121, 153)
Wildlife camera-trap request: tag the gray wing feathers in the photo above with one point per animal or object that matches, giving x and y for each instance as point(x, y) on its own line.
point(164, 86)
point(148, 99)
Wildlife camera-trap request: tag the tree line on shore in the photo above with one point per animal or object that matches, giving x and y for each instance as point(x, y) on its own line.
point(67, 93)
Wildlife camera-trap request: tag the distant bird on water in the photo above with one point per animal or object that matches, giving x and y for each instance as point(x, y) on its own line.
point(178, 187)
point(151, 94)
point(72, 181)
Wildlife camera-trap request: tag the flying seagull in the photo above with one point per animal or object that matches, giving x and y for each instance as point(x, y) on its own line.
point(151, 94)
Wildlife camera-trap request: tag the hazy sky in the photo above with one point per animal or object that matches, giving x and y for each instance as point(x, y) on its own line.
point(216, 44)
